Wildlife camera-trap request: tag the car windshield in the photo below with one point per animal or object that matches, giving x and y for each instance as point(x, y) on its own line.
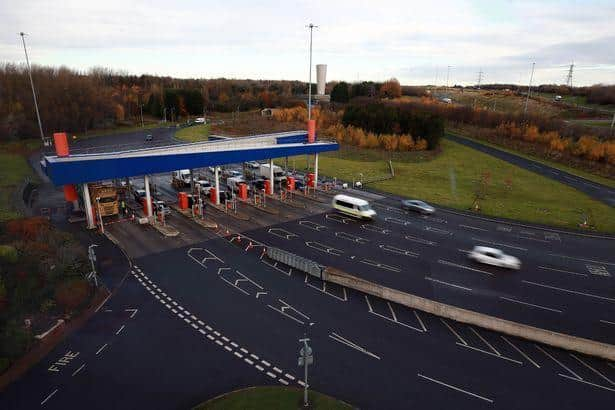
point(364, 208)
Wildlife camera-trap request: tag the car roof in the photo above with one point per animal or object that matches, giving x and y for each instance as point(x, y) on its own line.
point(350, 199)
point(486, 249)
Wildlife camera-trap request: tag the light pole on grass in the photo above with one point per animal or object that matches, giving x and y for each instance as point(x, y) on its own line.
point(38, 115)
point(311, 27)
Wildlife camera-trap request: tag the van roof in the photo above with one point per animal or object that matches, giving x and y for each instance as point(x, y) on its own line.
point(350, 199)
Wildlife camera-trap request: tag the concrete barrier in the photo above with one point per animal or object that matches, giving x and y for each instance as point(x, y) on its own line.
point(556, 339)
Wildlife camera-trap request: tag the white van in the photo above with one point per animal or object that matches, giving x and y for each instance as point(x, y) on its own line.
point(358, 208)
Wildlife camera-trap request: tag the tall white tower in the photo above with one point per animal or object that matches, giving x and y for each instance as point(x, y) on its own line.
point(321, 78)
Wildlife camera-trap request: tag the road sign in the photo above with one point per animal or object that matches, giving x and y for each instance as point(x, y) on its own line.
point(310, 361)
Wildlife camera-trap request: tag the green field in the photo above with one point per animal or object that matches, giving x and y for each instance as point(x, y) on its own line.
point(271, 398)
point(196, 133)
point(452, 179)
point(574, 171)
point(14, 168)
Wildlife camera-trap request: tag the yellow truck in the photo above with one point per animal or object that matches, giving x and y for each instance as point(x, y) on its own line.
point(105, 199)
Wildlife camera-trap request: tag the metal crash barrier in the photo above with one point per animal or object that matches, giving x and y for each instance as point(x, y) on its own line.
point(295, 261)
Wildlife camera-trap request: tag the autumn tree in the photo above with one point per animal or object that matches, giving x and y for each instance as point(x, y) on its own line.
point(340, 93)
point(390, 89)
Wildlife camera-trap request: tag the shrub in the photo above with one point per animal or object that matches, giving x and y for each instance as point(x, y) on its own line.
point(70, 294)
point(14, 340)
point(8, 254)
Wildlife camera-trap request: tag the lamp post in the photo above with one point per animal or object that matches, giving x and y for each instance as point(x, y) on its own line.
point(311, 27)
point(38, 115)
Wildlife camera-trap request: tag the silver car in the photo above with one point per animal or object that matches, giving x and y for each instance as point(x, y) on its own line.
point(494, 257)
point(417, 206)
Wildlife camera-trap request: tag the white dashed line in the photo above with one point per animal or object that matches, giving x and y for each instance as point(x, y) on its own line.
point(120, 329)
point(48, 397)
point(101, 349)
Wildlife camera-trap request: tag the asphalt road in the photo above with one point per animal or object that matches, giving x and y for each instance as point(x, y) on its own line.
point(193, 322)
point(199, 315)
point(124, 141)
point(595, 190)
point(566, 283)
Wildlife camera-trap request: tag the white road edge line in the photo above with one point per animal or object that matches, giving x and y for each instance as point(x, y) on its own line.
point(583, 381)
point(454, 388)
point(561, 270)
point(558, 362)
point(348, 343)
point(453, 331)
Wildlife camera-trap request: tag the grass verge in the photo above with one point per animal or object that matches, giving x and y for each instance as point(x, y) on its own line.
point(454, 177)
point(14, 168)
point(557, 165)
point(196, 133)
point(271, 398)
point(118, 130)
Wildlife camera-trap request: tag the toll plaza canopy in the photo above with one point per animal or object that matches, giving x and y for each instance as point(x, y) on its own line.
point(84, 168)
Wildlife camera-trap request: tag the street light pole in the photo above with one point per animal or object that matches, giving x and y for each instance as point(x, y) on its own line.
point(448, 69)
point(311, 27)
point(38, 115)
point(529, 90)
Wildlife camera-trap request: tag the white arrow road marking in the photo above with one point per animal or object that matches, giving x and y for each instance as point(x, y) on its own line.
point(351, 237)
point(134, 312)
point(380, 265)
point(420, 240)
point(438, 230)
point(376, 229)
point(211, 256)
point(500, 244)
point(399, 251)
point(355, 346)
point(312, 225)
point(337, 218)
point(282, 233)
point(397, 221)
point(285, 306)
point(258, 294)
point(324, 248)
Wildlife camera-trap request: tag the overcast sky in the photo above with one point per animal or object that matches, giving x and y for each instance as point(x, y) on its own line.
point(414, 41)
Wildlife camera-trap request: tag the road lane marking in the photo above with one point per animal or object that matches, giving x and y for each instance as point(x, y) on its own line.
point(472, 227)
point(581, 259)
point(489, 353)
point(592, 369)
point(79, 369)
point(500, 244)
point(120, 329)
point(443, 262)
point(312, 225)
point(351, 237)
point(284, 382)
point(562, 270)
point(392, 311)
point(380, 265)
point(392, 320)
point(250, 362)
point(398, 251)
point(520, 352)
point(568, 290)
point(454, 332)
point(348, 343)
point(49, 396)
point(324, 248)
point(607, 322)
point(377, 229)
point(447, 283)
point(420, 240)
point(455, 388)
point(485, 342)
point(228, 349)
point(531, 304)
point(437, 230)
point(586, 382)
point(558, 362)
point(101, 349)
point(533, 239)
point(420, 321)
point(202, 332)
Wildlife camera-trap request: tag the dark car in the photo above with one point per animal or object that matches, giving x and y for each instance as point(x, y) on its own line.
point(417, 206)
point(139, 194)
point(149, 137)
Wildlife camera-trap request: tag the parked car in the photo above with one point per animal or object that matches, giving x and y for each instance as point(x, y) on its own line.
point(494, 257)
point(161, 207)
point(149, 137)
point(253, 164)
point(417, 206)
point(139, 194)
